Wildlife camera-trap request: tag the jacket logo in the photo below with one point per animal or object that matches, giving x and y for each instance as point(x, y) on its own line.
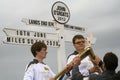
point(45, 68)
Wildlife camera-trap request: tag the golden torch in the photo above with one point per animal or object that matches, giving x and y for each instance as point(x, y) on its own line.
point(92, 57)
point(82, 55)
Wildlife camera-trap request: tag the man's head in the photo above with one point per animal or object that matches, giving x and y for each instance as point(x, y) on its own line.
point(79, 42)
point(37, 47)
point(110, 61)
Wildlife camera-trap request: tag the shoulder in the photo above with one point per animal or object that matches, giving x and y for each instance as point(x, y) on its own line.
point(117, 76)
point(32, 62)
point(72, 54)
point(94, 77)
point(119, 72)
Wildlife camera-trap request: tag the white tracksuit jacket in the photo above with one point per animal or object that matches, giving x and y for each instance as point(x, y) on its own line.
point(38, 71)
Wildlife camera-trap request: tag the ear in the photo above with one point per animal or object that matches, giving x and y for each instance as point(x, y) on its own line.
point(103, 66)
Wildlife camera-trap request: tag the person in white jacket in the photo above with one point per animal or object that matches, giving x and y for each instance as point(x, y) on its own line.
point(86, 66)
point(37, 69)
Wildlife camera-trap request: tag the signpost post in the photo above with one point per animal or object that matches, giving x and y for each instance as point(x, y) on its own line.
point(61, 15)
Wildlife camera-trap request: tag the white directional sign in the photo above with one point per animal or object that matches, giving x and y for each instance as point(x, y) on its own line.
point(74, 28)
point(16, 36)
point(30, 41)
point(37, 22)
point(52, 24)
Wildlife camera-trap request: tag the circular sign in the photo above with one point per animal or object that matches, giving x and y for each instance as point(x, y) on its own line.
point(60, 12)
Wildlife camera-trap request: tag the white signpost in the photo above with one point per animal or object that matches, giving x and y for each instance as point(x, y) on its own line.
point(51, 24)
point(61, 15)
point(37, 22)
point(15, 36)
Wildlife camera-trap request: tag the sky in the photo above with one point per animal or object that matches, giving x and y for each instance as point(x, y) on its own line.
point(100, 17)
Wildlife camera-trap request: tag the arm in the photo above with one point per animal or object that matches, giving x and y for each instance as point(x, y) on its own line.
point(29, 73)
point(70, 58)
point(76, 75)
point(97, 65)
point(52, 74)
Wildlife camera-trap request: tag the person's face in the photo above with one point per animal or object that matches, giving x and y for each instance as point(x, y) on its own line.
point(79, 44)
point(42, 54)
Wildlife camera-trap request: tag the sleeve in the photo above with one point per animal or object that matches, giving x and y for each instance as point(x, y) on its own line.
point(94, 77)
point(85, 65)
point(29, 73)
point(100, 64)
point(118, 73)
point(84, 71)
point(52, 73)
point(70, 58)
point(76, 75)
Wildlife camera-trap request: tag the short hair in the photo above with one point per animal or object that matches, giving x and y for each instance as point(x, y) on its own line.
point(110, 60)
point(78, 36)
point(37, 46)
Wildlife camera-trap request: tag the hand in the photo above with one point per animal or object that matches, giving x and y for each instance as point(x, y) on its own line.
point(76, 60)
point(51, 79)
point(96, 60)
point(69, 67)
point(94, 69)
